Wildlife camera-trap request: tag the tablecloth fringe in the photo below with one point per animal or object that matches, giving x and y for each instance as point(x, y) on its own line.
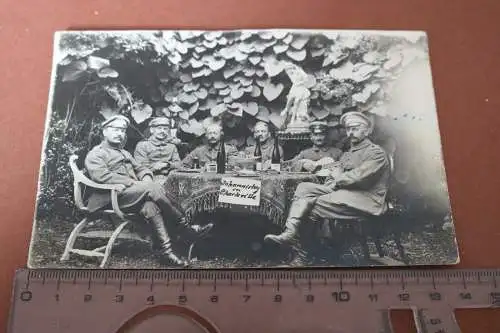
point(209, 202)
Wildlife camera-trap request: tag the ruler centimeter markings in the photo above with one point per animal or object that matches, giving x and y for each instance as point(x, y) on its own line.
point(248, 301)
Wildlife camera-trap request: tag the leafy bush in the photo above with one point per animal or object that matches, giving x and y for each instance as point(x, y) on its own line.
point(56, 186)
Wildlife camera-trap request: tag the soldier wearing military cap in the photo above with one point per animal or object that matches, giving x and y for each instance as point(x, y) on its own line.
point(107, 122)
point(320, 154)
point(109, 163)
point(357, 189)
point(157, 153)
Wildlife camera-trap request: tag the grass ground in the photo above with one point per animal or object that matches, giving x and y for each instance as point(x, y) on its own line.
point(226, 250)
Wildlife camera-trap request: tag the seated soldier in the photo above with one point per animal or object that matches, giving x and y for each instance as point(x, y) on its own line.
point(358, 189)
point(109, 163)
point(157, 153)
point(262, 134)
point(207, 153)
point(321, 154)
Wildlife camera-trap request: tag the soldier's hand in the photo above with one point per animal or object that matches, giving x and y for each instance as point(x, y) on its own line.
point(120, 188)
point(330, 182)
point(147, 178)
point(309, 165)
point(159, 165)
point(333, 185)
point(335, 172)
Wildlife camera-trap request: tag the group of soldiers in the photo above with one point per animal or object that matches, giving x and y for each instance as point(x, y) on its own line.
point(355, 185)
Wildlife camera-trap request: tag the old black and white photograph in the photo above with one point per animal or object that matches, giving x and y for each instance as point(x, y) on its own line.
point(241, 149)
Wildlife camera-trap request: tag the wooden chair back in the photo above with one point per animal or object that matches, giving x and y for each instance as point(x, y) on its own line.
point(79, 180)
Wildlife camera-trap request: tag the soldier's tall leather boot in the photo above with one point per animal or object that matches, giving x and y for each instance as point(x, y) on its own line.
point(290, 235)
point(164, 243)
point(172, 213)
point(287, 237)
point(300, 256)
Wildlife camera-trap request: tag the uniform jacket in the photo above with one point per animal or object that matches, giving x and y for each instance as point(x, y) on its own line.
point(364, 180)
point(206, 154)
point(151, 151)
point(315, 154)
point(106, 164)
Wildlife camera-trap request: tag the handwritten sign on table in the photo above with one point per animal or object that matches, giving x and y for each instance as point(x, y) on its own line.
point(240, 191)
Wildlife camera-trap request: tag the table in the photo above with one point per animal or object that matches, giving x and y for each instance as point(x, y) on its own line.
point(194, 193)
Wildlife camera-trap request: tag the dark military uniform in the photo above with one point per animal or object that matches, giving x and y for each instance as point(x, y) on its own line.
point(266, 149)
point(206, 154)
point(151, 152)
point(360, 188)
point(315, 154)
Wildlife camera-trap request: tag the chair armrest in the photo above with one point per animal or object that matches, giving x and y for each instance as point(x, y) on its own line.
point(99, 186)
point(93, 184)
point(110, 187)
point(115, 205)
point(80, 178)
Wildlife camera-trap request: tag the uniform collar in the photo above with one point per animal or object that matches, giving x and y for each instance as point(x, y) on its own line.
point(362, 145)
point(157, 142)
point(322, 148)
point(216, 147)
point(105, 144)
point(266, 144)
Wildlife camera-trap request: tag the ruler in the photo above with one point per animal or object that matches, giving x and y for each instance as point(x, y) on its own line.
point(271, 301)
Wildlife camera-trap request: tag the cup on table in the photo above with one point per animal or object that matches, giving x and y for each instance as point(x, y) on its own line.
point(211, 167)
point(196, 163)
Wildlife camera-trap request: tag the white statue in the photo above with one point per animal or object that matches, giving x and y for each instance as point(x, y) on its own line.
point(297, 105)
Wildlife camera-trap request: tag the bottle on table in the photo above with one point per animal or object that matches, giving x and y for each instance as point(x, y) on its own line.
point(221, 158)
point(276, 156)
point(196, 163)
point(258, 155)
